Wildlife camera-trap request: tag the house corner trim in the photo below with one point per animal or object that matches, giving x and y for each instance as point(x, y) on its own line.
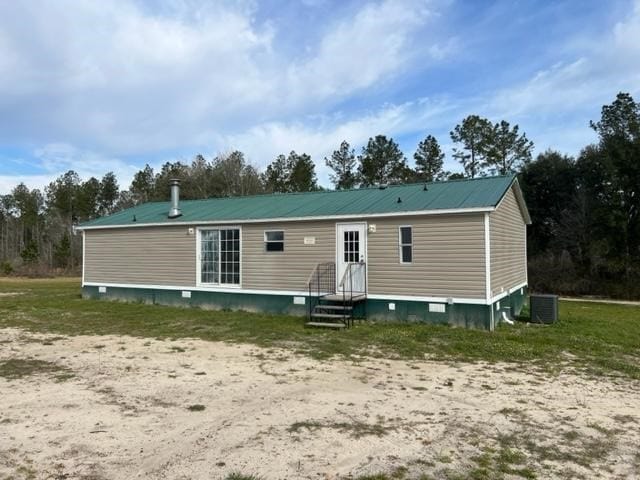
point(487, 258)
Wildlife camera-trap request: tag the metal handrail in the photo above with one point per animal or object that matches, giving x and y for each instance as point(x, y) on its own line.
point(313, 272)
point(320, 274)
point(348, 271)
point(321, 281)
point(344, 275)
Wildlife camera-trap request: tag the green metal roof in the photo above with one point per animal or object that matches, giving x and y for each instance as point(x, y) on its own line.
point(478, 193)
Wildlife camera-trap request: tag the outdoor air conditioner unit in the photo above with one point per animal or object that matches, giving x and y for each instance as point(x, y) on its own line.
point(544, 308)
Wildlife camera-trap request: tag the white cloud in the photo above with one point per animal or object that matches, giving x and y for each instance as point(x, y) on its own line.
point(320, 136)
point(57, 158)
point(61, 157)
point(120, 78)
point(360, 51)
point(9, 182)
point(132, 80)
point(553, 107)
point(627, 34)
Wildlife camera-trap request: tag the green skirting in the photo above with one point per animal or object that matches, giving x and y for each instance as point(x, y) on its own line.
point(511, 305)
point(457, 314)
point(460, 315)
point(277, 304)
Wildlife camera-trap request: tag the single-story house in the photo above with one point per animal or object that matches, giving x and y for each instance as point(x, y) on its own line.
point(444, 252)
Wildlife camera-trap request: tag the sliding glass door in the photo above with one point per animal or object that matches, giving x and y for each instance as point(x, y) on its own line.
point(220, 256)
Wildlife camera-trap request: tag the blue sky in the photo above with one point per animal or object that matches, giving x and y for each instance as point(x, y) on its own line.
point(99, 86)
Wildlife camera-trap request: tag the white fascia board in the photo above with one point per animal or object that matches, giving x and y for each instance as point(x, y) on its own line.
point(450, 211)
point(507, 292)
point(411, 298)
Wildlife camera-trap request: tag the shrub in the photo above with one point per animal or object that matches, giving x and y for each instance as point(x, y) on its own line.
point(6, 268)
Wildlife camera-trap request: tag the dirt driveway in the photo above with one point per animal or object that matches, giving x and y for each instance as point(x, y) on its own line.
point(96, 407)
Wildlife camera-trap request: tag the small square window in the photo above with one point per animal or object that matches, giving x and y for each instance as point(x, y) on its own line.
point(274, 241)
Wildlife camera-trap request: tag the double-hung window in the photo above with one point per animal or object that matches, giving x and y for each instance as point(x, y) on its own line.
point(274, 241)
point(405, 238)
point(220, 256)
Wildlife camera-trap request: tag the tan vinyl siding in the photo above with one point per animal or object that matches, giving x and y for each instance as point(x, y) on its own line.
point(149, 256)
point(448, 257)
point(508, 245)
point(288, 270)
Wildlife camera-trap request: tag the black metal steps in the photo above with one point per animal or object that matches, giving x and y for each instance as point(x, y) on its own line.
point(339, 297)
point(328, 316)
point(334, 311)
point(332, 300)
point(325, 306)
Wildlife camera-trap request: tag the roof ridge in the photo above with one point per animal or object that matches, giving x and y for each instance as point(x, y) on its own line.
point(357, 189)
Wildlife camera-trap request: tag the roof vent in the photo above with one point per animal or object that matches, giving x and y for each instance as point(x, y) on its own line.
point(399, 200)
point(134, 219)
point(425, 188)
point(175, 212)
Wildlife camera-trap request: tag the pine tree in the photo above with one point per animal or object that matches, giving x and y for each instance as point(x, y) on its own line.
point(473, 135)
point(87, 199)
point(62, 251)
point(382, 162)
point(143, 185)
point(429, 159)
point(302, 177)
point(506, 149)
point(295, 173)
point(109, 193)
point(342, 162)
point(276, 176)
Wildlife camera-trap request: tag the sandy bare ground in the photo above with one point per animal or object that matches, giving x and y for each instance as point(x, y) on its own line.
point(124, 414)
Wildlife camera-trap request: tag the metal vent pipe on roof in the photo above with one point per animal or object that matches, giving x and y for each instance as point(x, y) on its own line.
point(174, 212)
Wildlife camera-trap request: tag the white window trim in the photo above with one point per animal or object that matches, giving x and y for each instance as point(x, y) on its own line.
point(222, 286)
point(400, 244)
point(274, 241)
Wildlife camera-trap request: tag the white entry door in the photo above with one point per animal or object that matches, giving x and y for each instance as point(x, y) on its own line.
point(351, 257)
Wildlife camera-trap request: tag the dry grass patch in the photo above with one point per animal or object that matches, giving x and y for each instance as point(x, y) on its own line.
point(17, 368)
point(355, 429)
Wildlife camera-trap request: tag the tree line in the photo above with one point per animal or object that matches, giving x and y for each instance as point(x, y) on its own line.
point(584, 239)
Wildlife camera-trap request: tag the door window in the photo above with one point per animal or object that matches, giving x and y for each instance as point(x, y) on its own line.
point(352, 246)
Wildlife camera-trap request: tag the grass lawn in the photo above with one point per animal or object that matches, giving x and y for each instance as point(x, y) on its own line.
point(596, 337)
